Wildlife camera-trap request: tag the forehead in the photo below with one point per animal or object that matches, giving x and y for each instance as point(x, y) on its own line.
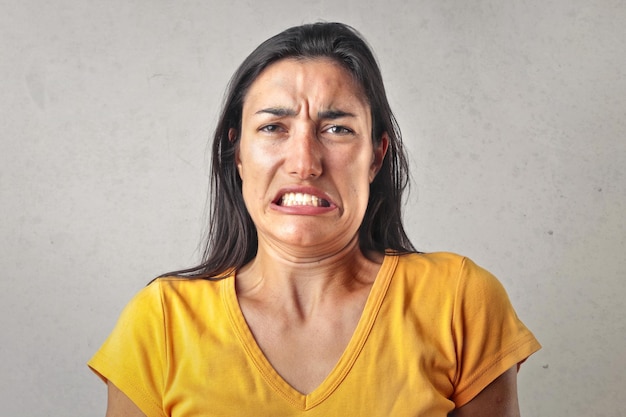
point(320, 81)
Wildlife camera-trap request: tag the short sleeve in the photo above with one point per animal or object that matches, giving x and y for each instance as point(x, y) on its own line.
point(133, 357)
point(489, 337)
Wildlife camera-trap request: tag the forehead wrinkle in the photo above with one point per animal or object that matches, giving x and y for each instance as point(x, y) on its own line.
point(303, 90)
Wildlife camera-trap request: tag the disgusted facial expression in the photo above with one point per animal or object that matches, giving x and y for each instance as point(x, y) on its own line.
point(306, 156)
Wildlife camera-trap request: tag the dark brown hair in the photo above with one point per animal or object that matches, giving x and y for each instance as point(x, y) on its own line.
point(232, 239)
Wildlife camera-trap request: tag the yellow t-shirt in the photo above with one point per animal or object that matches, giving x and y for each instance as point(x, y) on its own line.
point(436, 330)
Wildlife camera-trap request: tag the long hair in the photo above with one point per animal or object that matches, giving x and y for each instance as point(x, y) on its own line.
point(232, 238)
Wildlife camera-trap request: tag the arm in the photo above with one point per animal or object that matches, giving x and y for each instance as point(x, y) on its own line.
point(498, 399)
point(119, 405)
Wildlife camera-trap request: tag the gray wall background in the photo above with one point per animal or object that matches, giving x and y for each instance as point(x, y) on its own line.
point(513, 113)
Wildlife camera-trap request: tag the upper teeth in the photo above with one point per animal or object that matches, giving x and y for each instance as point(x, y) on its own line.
point(301, 199)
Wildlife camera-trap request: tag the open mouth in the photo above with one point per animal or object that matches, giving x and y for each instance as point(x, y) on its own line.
point(301, 199)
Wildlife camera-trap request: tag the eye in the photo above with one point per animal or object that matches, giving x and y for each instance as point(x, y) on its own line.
point(339, 130)
point(270, 128)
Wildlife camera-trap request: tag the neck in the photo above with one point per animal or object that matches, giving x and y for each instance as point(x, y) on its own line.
point(304, 281)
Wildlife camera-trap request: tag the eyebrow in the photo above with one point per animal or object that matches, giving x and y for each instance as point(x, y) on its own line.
point(277, 111)
point(325, 115)
point(334, 114)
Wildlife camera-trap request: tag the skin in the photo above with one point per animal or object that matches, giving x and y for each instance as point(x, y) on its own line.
point(306, 128)
point(119, 405)
point(498, 399)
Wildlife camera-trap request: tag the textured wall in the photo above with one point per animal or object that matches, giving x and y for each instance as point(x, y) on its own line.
point(513, 114)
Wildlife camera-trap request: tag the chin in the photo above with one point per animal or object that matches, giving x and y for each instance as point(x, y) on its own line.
point(312, 240)
point(302, 240)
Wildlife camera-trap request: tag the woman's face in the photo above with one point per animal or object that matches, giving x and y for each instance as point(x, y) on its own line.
point(306, 157)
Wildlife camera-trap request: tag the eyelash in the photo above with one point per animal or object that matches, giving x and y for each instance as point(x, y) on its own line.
point(273, 128)
point(270, 128)
point(343, 130)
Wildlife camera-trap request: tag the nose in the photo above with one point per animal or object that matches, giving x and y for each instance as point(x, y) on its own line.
point(304, 156)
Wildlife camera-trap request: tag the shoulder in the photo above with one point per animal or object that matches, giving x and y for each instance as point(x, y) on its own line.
point(438, 266)
point(176, 290)
point(442, 264)
point(444, 273)
point(437, 260)
point(172, 293)
point(175, 284)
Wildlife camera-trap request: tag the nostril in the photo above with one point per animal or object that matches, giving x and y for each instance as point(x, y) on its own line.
point(306, 167)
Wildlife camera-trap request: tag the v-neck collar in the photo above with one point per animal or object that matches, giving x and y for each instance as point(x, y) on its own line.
point(347, 359)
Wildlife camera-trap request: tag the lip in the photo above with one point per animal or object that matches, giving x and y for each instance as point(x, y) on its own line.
point(304, 210)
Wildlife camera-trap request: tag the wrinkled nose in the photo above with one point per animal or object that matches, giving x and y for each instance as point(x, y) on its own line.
point(304, 156)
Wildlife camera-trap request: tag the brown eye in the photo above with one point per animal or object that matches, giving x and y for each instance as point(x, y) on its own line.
point(339, 130)
point(270, 128)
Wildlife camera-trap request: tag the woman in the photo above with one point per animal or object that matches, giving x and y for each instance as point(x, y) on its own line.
point(311, 299)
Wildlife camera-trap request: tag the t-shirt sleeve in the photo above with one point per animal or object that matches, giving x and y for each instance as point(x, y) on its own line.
point(133, 357)
point(489, 337)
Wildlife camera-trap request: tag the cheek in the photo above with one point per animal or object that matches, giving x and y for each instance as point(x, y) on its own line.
point(256, 155)
point(352, 173)
point(248, 161)
point(255, 167)
point(357, 166)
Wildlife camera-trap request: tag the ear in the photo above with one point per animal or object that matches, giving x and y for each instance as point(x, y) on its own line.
point(232, 136)
point(380, 150)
